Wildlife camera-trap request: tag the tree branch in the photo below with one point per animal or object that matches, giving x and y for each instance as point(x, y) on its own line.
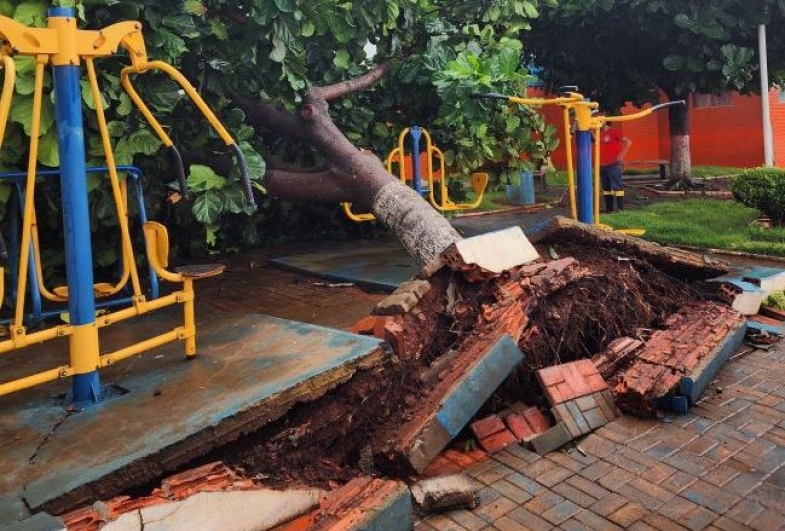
point(267, 116)
point(321, 187)
point(332, 92)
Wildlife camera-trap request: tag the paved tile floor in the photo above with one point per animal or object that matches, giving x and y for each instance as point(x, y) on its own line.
point(722, 466)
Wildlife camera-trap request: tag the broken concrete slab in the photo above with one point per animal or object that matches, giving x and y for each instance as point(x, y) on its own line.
point(250, 370)
point(456, 491)
point(490, 254)
point(744, 297)
point(366, 504)
point(456, 400)
point(228, 511)
point(769, 279)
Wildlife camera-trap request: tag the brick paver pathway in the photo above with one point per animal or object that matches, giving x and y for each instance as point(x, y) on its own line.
point(722, 466)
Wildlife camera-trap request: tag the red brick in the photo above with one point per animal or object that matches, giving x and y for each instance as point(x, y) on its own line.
point(441, 466)
point(550, 376)
point(536, 420)
point(378, 327)
point(486, 427)
point(498, 441)
point(364, 326)
point(461, 459)
point(519, 427)
point(206, 478)
point(393, 334)
point(84, 519)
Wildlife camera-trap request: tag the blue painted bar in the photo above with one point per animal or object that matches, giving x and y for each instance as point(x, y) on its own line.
point(585, 178)
point(416, 134)
point(76, 212)
point(480, 382)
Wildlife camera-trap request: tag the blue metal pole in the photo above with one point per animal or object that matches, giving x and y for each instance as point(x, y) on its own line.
point(416, 134)
point(585, 183)
point(76, 222)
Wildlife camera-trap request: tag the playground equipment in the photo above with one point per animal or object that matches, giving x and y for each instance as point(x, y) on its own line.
point(585, 201)
point(416, 166)
point(63, 46)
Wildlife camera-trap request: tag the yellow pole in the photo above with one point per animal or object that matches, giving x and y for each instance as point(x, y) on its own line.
point(122, 215)
point(27, 219)
point(189, 319)
point(596, 130)
point(570, 169)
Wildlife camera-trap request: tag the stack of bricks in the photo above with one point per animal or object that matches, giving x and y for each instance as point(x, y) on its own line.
point(521, 425)
point(692, 338)
point(579, 396)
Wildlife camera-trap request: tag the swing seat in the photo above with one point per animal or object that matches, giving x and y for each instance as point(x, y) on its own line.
point(200, 270)
point(100, 290)
point(157, 239)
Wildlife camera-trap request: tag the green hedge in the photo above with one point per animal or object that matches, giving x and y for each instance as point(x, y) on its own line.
point(764, 189)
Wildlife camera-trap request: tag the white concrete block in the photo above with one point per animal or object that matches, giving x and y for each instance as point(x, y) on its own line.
point(497, 251)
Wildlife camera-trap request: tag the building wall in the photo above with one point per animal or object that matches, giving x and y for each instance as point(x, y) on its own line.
point(729, 135)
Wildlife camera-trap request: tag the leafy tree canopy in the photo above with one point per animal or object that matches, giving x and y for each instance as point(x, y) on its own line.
point(623, 50)
point(273, 51)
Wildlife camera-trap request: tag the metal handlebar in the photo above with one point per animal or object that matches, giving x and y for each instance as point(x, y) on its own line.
point(572, 98)
point(638, 115)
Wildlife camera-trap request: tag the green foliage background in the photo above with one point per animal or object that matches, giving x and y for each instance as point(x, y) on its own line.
point(273, 50)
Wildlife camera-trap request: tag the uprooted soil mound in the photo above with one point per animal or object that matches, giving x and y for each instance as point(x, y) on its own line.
point(558, 310)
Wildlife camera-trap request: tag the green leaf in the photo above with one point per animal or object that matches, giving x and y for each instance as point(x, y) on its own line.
point(194, 7)
point(219, 30)
point(31, 13)
point(278, 52)
point(308, 28)
point(341, 59)
point(207, 207)
point(87, 95)
point(47, 149)
point(203, 178)
point(674, 62)
point(287, 6)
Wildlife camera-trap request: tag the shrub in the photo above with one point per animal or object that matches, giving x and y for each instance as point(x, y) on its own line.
point(764, 189)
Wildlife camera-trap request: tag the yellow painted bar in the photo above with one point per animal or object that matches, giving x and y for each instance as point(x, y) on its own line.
point(65, 28)
point(189, 318)
point(8, 94)
point(142, 346)
point(596, 172)
point(129, 264)
point(27, 220)
point(83, 347)
point(142, 106)
point(572, 98)
point(133, 311)
point(36, 379)
point(570, 166)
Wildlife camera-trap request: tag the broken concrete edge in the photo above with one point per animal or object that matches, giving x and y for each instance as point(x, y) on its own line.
point(37, 522)
point(676, 262)
point(704, 373)
point(257, 509)
point(176, 456)
point(443, 493)
point(462, 402)
point(490, 254)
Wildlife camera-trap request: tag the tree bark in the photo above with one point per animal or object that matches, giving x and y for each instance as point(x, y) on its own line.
point(681, 159)
point(351, 175)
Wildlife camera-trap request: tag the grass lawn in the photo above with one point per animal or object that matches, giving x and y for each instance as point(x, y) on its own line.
point(702, 223)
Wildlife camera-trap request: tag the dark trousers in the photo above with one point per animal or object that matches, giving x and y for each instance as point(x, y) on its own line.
point(612, 186)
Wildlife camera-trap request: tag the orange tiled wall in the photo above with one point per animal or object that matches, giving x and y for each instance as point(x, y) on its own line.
point(721, 136)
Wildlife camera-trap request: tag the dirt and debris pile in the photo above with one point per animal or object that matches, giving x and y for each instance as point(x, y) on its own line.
point(556, 310)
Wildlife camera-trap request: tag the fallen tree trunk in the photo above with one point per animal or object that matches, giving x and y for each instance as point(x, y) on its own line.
point(350, 175)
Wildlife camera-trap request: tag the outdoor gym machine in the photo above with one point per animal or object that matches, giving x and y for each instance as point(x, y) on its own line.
point(64, 46)
point(585, 204)
point(418, 167)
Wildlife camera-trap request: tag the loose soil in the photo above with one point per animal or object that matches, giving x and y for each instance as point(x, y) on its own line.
point(349, 431)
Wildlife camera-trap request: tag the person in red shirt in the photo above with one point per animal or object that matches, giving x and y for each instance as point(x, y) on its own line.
point(613, 148)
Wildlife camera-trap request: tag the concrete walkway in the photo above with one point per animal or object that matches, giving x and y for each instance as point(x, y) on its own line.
point(722, 466)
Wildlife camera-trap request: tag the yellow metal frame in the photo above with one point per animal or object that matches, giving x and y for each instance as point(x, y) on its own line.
point(61, 43)
point(479, 181)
